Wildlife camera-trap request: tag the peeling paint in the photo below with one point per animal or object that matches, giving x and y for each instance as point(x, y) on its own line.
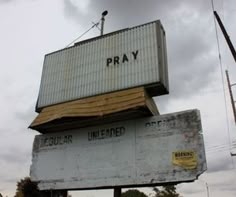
point(139, 152)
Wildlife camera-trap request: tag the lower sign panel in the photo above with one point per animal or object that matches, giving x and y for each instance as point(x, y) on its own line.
point(142, 152)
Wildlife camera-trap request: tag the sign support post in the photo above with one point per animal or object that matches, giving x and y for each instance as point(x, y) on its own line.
point(52, 193)
point(117, 192)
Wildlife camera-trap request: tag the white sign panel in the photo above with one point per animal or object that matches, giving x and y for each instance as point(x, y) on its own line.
point(141, 152)
point(119, 60)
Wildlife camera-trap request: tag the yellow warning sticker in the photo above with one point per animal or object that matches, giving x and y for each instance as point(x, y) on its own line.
point(185, 159)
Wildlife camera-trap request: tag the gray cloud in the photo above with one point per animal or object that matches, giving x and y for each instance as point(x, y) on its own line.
point(10, 1)
point(26, 114)
point(6, 1)
point(227, 186)
point(15, 155)
point(214, 183)
point(191, 63)
point(71, 11)
point(74, 13)
point(13, 181)
point(125, 13)
point(191, 190)
point(220, 162)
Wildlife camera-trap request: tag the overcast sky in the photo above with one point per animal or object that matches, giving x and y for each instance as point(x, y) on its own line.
point(29, 29)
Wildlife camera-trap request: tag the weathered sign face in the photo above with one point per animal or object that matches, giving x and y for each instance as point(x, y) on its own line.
point(142, 152)
point(119, 60)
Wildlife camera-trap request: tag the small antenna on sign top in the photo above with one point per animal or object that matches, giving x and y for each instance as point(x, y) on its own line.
point(94, 25)
point(103, 21)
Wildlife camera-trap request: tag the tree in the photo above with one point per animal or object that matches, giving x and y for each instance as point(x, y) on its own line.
point(133, 193)
point(166, 191)
point(27, 188)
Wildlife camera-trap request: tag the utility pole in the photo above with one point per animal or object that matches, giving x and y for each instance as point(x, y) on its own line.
point(231, 47)
point(231, 94)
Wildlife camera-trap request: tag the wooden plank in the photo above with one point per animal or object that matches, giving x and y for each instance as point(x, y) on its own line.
point(65, 124)
point(76, 107)
point(134, 102)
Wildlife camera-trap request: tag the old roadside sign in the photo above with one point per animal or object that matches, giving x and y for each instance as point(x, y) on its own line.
point(142, 152)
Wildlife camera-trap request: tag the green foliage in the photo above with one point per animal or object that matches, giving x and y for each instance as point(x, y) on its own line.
point(133, 193)
point(27, 188)
point(166, 191)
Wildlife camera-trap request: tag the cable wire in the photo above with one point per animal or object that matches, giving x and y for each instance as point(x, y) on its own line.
point(222, 77)
point(94, 25)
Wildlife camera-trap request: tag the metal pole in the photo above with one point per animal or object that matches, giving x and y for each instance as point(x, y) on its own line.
point(231, 95)
point(103, 21)
point(207, 190)
point(231, 47)
point(102, 25)
point(117, 192)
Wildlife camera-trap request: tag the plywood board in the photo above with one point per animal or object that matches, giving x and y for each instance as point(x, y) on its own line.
point(121, 105)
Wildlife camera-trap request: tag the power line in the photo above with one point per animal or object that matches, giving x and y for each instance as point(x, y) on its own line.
point(225, 147)
point(219, 146)
point(222, 76)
